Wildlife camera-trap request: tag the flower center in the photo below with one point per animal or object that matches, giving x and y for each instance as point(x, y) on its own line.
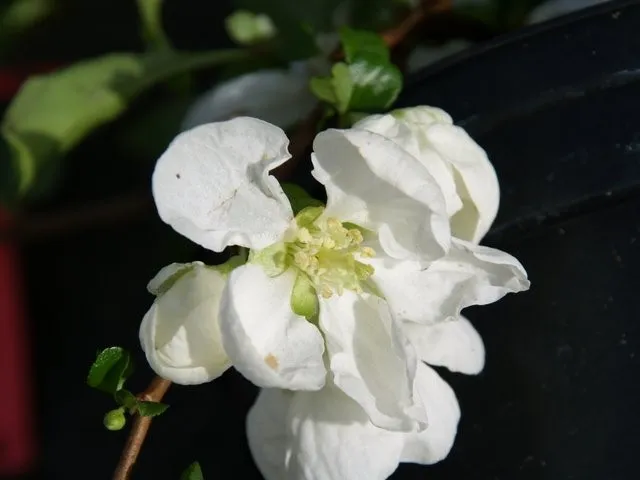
point(326, 250)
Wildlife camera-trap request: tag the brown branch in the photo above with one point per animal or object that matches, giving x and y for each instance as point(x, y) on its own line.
point(138, 433)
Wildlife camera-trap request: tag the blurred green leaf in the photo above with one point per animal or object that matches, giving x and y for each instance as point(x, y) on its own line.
point(151, 21)
point(110, 370)
point(376, 85)
point(151, 409)
point(356, 42)
point(248, 28)
point(322, 88)
point(17, 16)
point(193, 472)
point(52, 113)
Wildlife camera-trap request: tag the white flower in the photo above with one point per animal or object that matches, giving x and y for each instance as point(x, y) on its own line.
point(458, 164)
point(180, 334)
point(213, 186)
point(280, 97)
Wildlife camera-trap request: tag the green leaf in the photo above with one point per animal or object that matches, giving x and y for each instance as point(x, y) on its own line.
point(104, 362)
point(299, 198)
point(52, 113)
point(342, 83)
point(304, 299)
point(193, 472)
point(322, 88)
point(151, 19)
point(356, 42)
point(151, 409)
point(19, 15)
point(248, 28)
point(126, 399)
point(375, 85)
point(110, 370)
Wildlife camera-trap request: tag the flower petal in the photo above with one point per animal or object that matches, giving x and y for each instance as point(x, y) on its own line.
point(370, 359)
point(469, 275)
point(267, 342)
point(378, 185)
point(455, 345)
point(333, 439)
point(276, 96)
point(212, 184)
point(433, 443)
point(268, 434)
point(180, 334)
point(475, 177)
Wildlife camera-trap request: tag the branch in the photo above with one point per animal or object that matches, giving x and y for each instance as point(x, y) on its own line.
point(138, 433)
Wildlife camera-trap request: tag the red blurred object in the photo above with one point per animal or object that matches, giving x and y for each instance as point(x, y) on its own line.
point(17, 445)
point(16, 422)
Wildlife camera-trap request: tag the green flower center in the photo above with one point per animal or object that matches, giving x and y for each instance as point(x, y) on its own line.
point(326, 251)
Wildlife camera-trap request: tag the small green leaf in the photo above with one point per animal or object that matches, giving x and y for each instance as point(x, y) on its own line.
point(115, 419)
point(342, 83)
point(355, 42)
point(248, 28)
point(126, 399)
point(105, 361)
point(322, 88)
point(110, 370)
point(151, 409)
point(193, 472)
point(151, 19)
point(375, 85)
point(304, 299)
point(299, 198)
point(308, 215)
point(273, 258)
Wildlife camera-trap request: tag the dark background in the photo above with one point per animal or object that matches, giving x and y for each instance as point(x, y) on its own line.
point(556, 106)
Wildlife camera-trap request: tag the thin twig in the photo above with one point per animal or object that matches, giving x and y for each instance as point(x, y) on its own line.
point(138, 433)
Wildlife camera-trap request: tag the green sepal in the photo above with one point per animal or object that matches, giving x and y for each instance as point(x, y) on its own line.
point(304, 299)
point(298, 197)
point(273, 258)
point(308, 215)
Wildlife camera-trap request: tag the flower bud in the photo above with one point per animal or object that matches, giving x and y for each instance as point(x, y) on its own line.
point(115, 419)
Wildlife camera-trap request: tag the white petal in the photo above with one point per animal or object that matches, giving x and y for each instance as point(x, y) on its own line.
point(275, 96)
point(469, 275)
point(334, 440)
point(434, 443)
point(212, 185)
point(476, 180)
point(411, 138)
point(267, 432)
point(180, 334)
point(378, 185)
point(455, 345)
point(370, 359)
point(267, 342)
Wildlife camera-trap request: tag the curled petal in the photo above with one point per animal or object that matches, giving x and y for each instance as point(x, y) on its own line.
point(333, 439)
point(212, 184)
point(267, 342)
point(433, 443)
point(455, 345)
point(371, 359)
point(180, 334)
point(268, 434)
point(374, 183)
point(469, 275)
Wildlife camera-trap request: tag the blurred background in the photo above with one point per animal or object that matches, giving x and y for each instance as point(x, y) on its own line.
point(548, 88)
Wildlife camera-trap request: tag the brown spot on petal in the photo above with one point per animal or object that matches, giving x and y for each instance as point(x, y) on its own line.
point(272, 361)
